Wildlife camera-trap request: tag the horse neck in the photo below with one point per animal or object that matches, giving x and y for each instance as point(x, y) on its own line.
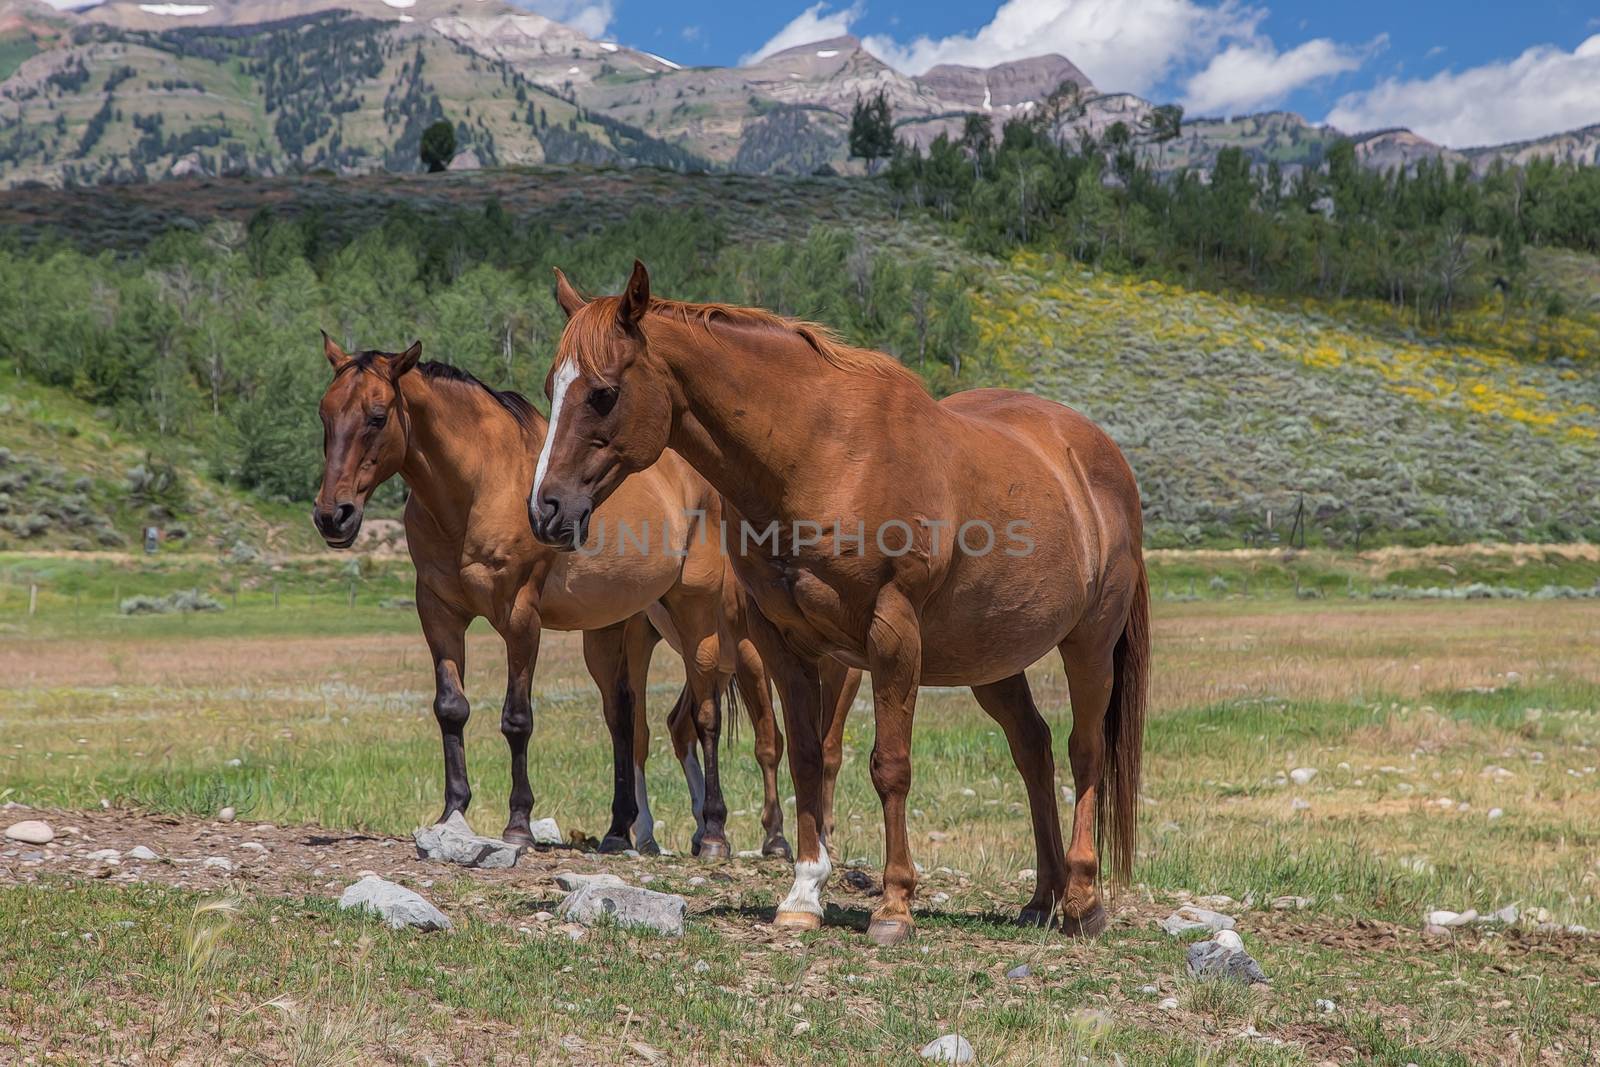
point(754, 442)
point(450, 437)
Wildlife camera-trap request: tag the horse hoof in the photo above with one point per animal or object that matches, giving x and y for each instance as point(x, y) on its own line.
point(777, 846)
point(1091, 924)
point(714, 849)
point(797, 920)
point(648, 847)
point(614, 844)
point(517, 835)
point(1036, 917)
point(886, 933)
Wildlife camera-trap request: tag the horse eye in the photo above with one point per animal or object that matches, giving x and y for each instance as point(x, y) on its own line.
point(603, 400)
point(377, 421)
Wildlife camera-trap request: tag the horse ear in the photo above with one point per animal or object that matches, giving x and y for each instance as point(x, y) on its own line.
point(336, 356)
point(567, 296)
point(636, 297)
point(398, 365)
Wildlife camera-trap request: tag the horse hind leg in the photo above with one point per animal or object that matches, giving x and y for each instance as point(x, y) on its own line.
point(639, 643)
point(1010, 703)
point(681, 728)
point(750, 678)
point(1090, 678)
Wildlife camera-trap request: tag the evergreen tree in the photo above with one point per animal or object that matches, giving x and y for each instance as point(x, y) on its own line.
point(438, 146)
point(871, 131)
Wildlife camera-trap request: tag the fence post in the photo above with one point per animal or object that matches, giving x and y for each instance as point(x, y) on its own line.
point(352, 605)
point(33, 599)
point(274, 592)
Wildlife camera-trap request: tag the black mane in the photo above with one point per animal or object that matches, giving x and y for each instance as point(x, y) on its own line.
point(515, 404)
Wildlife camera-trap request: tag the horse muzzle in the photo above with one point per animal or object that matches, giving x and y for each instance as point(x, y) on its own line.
point(338, 524)
point(560, 523)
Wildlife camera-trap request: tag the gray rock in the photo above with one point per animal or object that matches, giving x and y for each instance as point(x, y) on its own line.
point(104, 855)
point(1020, 971)
point(627, 906)
point(453, 841)
point(1326, 1007)
point(31, 832)
point(1189, 918)
point(545, 832)
point(571, 882)
point(395, 904)
point(139, 852)
point(219, 863)
point(1169, 1004)
point(951, 1048)
point(1207, 959)
point(1302, 775)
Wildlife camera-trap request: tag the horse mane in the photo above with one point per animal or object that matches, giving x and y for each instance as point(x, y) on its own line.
point(590, 329)
point(515, 404)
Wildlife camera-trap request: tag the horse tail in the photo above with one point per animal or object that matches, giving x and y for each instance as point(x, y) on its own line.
point(1117, 807)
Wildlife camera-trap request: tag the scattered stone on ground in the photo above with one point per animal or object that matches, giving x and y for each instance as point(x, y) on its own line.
point(105, 855)
point(1168, 1004)
point(1188, 918)
point(546, 832)
point(951, 1048)
point(701, 967)
point(1299, 804)
point(1326, 1007)
point(571, 882)
point(453, 841)
point(627, 906)
point(1302, 775)
point(1091, 1021)
point(860, 881)
point(31, 832)
point(1451, 918)
point(1290, 903)
point(395, 904)
point(140, 852)
point(220, 863)
point(227, 815)
point(1019, 972)
point(1212, 959)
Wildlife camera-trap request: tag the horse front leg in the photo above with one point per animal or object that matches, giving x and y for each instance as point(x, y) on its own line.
point(516, 715)
point(604, 653)
point(894, 656)
point(801, 694)
point(445, 630)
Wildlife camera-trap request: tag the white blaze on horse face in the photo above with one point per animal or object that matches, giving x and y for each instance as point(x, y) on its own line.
point(809, 878)
point(558, 394)
point(644, 824)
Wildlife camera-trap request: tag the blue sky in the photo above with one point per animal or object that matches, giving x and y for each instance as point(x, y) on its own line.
point(1464, 72)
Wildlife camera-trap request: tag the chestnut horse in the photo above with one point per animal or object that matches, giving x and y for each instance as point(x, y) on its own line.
point(465, 451)
point(930, 543)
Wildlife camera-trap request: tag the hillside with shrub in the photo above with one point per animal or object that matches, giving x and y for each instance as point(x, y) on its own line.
point(1253, 416)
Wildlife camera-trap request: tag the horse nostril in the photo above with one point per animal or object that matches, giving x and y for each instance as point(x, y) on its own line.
point(549, 508)
point(342, 515)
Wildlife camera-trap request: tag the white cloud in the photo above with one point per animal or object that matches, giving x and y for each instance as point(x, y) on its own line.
point(1122, 45)
point(592, 18)
point(816, 23)
point(1544, 90)
point(1243, 77)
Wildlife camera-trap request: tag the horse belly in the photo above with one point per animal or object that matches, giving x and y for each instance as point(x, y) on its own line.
point(587, 593)
point(991, 623)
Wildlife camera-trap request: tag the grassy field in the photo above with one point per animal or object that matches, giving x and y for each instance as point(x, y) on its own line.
point(1420, 716)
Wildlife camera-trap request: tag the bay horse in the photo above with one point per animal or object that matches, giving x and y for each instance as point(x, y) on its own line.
point(465, 451)
point(930, 543)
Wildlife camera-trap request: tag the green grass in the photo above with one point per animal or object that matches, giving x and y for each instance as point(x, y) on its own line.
point(13, 52)
point(326, 712)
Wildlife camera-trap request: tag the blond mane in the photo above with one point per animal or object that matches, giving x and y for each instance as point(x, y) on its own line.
point(592, 328)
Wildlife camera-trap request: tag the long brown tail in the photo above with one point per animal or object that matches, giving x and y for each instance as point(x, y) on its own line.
point(1117, 813)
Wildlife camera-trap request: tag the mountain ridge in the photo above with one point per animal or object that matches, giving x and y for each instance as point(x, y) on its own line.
point(504, 71)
